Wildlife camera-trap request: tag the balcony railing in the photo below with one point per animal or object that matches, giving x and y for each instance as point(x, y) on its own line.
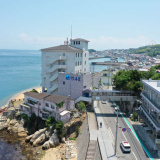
point(152, 100)
point(150, 117)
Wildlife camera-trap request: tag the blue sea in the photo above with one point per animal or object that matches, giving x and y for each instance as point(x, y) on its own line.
point(19, 70)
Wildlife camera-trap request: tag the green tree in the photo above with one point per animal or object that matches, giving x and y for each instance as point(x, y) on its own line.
point(59, 128)
point(50, 121)
point(34, 90)
point(81, 106)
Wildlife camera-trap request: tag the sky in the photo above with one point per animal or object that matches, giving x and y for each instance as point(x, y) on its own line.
point(37, 24)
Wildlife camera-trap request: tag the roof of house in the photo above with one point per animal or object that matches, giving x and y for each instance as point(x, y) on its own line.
point(63, 48)
point(80, 39)
point(56, 98)
point(36, 95)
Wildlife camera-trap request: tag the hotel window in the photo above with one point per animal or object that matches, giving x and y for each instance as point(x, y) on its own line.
point(47, 105)
point(52, 106)
point(78, 63)
point(74, 42)
point(85, 54)
point(78, 54)
point(85, 62)
point(81, 54)
point(84, 69)
point(63, 54)
point(63, 82)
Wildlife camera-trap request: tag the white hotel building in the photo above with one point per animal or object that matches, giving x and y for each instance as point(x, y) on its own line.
point(151, 104)
point(70, 58)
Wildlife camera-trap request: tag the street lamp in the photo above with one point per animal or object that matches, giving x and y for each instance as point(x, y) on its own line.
point(116, 134)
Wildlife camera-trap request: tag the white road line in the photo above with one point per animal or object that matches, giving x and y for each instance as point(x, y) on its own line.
point(111, 132)
point(134, 155)
point(124, 136)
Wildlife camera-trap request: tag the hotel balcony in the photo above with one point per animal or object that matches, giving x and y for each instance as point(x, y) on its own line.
point(52, 78)
point(55, 67)
point(53, 60)
point(153, 104)
point(152, 120)
point(54, 87)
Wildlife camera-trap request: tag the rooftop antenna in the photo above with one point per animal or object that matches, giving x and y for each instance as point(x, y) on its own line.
point(71, 32)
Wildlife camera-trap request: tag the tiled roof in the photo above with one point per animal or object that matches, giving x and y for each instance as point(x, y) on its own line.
point(36, 95)
point(63, 48)
point(56, 98)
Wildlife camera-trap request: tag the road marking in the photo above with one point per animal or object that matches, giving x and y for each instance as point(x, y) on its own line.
point(134, 133)
point(124, 136)
point(134, 155)
point(111, 133)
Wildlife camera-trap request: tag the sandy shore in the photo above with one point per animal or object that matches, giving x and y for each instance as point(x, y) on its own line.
point(20, 95)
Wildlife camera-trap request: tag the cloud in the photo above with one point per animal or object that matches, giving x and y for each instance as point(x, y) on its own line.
point(100, 43)
point(40, 41)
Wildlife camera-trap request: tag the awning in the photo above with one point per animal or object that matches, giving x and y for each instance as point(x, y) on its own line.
point(32, 100)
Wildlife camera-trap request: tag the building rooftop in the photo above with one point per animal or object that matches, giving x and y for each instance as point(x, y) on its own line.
point(80, 39)
point(56, 98)
point(49, 97)
point(155, 84)
point(36, 95)
point(63, 48)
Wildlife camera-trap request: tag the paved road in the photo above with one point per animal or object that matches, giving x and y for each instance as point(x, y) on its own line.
point(137, 152)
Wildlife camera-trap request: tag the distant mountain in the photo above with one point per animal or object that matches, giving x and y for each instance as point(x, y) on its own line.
point(150, 50)
point(91, 50)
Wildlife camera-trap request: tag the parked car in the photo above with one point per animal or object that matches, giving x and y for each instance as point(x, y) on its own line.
point(103, 102)
point(125, 146)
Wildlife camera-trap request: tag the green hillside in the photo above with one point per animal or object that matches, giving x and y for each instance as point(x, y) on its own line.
point(150, 50)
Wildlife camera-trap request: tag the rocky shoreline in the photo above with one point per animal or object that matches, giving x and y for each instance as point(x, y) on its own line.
point(35, 145)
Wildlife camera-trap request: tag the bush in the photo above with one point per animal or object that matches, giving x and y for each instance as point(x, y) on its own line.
point(72, 139)
point(34, 90)
point(50, 121)
point(59, 128)
point(81, 106)
point(24, 116)
point(134, 116)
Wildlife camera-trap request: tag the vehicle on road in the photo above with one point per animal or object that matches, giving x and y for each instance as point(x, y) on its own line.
point(116, 111)
point(125, 146)
point(103, 102)
point(113, 105)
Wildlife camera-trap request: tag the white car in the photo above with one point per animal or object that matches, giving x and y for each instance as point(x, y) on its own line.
point(103, 102)
point(116, 111)
point(125, 146)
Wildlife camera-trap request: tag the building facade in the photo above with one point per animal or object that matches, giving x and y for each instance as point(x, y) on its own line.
point(69, 58)
point(73, 85)
point(45, 105)
point(107, 76)
point(151, 105)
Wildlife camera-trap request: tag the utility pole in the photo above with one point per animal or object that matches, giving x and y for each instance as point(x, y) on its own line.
point(116, 135)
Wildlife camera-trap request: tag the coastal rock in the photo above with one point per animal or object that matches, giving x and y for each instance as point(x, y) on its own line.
point(47, 134)
point(39, 140)
point(22, 134)
point(63, 140)
point(3, 126)
point(28, 138)
point(13, 122)
point(54, 138)
point(46, 145)
point(37, 134)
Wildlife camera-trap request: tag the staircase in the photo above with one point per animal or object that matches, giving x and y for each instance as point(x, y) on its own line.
point(91, 150)
point(86, 99)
